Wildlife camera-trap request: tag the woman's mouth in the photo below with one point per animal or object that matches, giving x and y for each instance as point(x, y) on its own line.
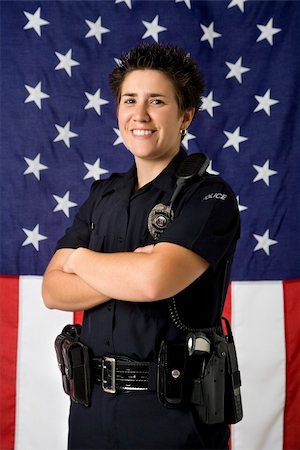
point(138, 132)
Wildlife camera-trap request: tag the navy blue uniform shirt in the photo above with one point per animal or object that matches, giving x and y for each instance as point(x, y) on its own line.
point(114, 219)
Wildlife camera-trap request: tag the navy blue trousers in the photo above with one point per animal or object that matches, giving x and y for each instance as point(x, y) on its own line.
point(137, 420)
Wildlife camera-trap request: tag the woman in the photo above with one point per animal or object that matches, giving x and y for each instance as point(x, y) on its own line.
point(111, 263)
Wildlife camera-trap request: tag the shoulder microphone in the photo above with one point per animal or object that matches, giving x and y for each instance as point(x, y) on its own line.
point(192, 166)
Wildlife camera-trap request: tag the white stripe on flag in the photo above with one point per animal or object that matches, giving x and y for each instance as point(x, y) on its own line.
point(42, 407)
point(258, 327)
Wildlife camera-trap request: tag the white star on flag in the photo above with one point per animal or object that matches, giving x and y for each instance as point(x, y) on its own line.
point(128, 2)
point(264, 242)
point(267, 31)
point(64, 204)
point(66, 62)
point(239, 3)
point(209, 34)
point(208, 104)
point(265, 102)
point(96, 29)
point(33, 237)
point(118, 61)
point(211, 170)
point(264, 173)
point(234, 139)
point(94, 170)
point(187, 2)
point(35, 95)
point(34, 166)
point(153, 29)
point(119, 139)
point(94, 101)
point(64, 134)
point(241, 207)
point(186, 139)
point(35, 21)
point(236, 70)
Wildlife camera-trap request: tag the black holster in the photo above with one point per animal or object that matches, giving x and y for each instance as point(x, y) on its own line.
point(216, 393)
point(74, 364)
point(208, 383)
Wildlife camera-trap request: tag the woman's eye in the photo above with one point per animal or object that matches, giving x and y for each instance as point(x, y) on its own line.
point(129, 101)
point(156, 101)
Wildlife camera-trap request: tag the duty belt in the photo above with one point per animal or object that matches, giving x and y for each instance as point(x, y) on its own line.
point(119, 373)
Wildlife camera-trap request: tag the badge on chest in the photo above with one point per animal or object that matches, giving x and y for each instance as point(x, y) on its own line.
point(159, 218)
point(161, 215)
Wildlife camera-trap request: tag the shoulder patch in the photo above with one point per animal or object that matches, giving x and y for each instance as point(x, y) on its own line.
point(215, 195)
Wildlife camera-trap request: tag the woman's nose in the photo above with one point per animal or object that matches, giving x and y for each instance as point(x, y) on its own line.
point(141, 113)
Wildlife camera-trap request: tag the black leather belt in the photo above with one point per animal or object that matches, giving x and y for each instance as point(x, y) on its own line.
point(120, 373)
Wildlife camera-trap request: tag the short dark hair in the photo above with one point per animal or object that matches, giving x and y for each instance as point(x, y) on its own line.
point(173, 61)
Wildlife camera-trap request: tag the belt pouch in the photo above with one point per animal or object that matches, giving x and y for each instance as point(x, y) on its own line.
point(58, 349)
point(77, 370)
point(208, 390)
point(171, 370)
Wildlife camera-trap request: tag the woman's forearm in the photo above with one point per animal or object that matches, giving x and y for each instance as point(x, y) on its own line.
point(144, 276)
point(68, 292)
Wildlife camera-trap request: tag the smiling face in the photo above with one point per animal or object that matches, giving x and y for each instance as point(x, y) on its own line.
point(149, 117)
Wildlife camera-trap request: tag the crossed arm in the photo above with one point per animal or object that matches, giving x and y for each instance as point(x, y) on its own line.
point(81, 279)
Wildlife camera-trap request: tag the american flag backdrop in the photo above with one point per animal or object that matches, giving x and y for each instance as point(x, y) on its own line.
point(59, 133)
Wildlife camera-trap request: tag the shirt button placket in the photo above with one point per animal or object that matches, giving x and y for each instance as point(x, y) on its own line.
point(119, 243)
point(108, 341)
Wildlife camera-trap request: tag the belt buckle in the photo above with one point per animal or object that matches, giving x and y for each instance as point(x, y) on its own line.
point(109, 375)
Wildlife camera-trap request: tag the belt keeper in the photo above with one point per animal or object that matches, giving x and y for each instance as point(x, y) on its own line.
point(152, 381)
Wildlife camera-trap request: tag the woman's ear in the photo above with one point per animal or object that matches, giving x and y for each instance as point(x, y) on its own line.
point(187, 118)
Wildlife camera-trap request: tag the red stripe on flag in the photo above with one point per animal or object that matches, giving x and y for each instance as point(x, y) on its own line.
point(9, 307)
point(292, 337)
point(78, 317)
point(227, 305)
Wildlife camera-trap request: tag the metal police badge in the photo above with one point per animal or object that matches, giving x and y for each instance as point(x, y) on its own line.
point(159, 218)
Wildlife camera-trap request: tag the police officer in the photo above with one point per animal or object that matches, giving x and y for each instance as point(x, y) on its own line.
point(112, 264)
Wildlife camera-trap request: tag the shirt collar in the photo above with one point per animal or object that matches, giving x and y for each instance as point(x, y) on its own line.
point(164, 181)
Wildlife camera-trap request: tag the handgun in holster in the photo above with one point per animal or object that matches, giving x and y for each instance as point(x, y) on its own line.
point(208, 380)
point(73, 362)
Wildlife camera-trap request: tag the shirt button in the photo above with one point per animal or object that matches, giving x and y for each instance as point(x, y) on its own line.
point(109, 307)
point(107, 343)
point(120, 239)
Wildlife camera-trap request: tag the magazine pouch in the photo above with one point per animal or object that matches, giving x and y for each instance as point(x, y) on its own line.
point(171, 373)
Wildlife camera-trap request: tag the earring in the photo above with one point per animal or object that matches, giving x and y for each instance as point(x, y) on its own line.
point(183, 133)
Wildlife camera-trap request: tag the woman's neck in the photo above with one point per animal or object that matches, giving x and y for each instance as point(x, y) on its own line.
point(148, 170)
